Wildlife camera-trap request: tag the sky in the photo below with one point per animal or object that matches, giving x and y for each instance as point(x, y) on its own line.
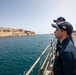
point(36, 15)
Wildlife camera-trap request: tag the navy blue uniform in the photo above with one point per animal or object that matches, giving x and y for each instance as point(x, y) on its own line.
point(65, 59)
point(58, 43)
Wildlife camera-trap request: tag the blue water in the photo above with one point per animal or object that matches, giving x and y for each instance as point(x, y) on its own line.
point(17, 54)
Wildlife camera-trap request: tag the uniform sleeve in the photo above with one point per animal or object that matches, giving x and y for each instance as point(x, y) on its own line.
point(67, 63)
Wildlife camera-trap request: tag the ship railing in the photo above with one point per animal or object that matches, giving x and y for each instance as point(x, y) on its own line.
point(48, 61)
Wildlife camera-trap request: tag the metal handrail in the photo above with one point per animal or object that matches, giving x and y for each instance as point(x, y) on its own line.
point(49, 54)
point(29, 71)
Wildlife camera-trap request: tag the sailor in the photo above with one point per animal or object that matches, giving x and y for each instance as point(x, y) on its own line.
point(65, 58)
point(57, 21)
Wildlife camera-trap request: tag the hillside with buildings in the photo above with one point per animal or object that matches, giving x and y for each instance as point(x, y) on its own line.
point(14, 32)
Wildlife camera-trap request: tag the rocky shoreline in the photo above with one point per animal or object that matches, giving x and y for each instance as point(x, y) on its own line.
point(14, 32)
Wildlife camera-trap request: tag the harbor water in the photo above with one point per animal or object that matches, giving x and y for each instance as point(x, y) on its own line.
point(17, 54)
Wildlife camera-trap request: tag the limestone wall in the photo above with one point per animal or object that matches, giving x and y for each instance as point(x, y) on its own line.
point(14, 32)
point(74, 37)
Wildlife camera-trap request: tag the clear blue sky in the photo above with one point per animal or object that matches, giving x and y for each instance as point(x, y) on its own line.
point(36, 15)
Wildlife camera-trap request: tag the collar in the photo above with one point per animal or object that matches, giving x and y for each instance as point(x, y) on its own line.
point(63, 44)
point(65, 41)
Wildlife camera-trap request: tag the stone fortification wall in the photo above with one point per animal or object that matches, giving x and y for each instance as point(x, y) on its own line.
point(74, 37)
point(14, 32)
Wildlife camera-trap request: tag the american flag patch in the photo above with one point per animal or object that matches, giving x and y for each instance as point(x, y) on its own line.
point(64, 27)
